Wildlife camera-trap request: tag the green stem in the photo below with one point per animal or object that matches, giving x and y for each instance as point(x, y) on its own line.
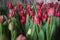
point(36, 31)
point(50, 28)
point(47, 34)
point(13, 35)
point(1, 31)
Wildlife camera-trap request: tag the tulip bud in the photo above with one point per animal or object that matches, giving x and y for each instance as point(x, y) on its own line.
point(10, 6)
point(29, 31)
point(10, 26)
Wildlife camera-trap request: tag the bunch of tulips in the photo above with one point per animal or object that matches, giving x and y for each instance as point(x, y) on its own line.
point(31, 21)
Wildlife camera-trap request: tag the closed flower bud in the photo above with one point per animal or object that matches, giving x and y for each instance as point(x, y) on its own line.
point(10, 26)
point(29, 31)
point(10, 6)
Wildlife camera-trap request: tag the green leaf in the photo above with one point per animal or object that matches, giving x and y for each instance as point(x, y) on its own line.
point(33, 30)
point(27, 23)
point(52, 30)
point(13, 19)
point(5, 23)
point(1, 31)
point(41, 35)
point(57, 21)
point(13, 35)
point(45, 26)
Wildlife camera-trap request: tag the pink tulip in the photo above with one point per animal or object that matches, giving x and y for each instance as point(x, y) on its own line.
point(23, 38)
point(20, 37)
point(50, 11)
point(20, 7)
point(11, 14)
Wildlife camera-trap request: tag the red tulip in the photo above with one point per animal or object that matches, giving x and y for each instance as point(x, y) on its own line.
point(10, 5)
point(45, 16)
point(44, 6)
point(39, 8)
point(58, 14)
point(42, 18)
point(58, 0)
point(49, 5)
point(37, 3)
point(18, 6)
point(50, 11)
point(39, 14)
point(31, 13)
point(37, 21)
point(21, 13)
point(32, 18)
point(27, 12)
point(45, 11)
point(56, 4)
point(15, 10)
point(28, 7)
point(23, 19)
point(52, 4)
point(59, 8)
